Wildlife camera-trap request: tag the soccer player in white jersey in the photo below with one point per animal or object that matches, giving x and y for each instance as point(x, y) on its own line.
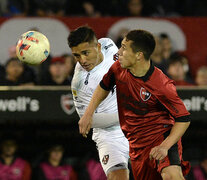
point(94, 58)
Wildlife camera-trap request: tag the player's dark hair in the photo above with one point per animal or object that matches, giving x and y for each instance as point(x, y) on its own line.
point(81, 35)
point(142, 41)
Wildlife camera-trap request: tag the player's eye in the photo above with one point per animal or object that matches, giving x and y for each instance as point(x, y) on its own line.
point(76, 55)
point(86, 53)
point(123, 47)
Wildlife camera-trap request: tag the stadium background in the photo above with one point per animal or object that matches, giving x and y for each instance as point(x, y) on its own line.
point(48, 117)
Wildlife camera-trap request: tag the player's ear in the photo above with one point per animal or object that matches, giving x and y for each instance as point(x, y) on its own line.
point(99, 46)
point(139, 55)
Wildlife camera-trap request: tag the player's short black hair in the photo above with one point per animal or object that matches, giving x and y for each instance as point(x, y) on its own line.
point(142, 41)
point(80, 35)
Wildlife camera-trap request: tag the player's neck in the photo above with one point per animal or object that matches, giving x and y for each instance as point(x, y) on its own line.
point(140, 68)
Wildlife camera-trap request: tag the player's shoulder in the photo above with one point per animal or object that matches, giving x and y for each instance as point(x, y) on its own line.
point(106, 42)
point(162, 82)
point(108, 45)
point(78, 67)
point(116, 67)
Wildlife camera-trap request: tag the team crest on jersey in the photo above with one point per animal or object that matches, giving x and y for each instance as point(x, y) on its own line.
point(74, 92)
point(116, 57)
point(144, 94)
point(67, 105)
point(105, 159)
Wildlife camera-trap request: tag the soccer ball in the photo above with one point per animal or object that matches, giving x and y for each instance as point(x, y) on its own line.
point(33, 48)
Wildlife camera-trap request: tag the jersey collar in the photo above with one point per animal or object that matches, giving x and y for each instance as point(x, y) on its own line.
point(148, 74)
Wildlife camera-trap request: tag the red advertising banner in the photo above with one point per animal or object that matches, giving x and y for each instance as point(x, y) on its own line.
point(189, 35)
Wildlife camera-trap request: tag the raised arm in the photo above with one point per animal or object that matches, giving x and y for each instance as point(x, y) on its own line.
point(86, 120)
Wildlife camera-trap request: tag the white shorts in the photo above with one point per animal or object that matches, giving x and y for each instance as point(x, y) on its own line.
point(112, 146)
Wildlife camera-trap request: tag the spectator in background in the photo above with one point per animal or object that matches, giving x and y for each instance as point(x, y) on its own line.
point(201, 76)
point(186, 68)
point(135, 8)
point(14, 8)
point(89, 10)
point(157, 56)
point(199, 172)
point(176, 70)
point(3, 7)
point(70, 63)
point(50, 7)
point(95, 170)
point(12, 51)
point(15, 74)
point(29, 74)
point(11, 166)
point(166, 46)
point(58, 73)
point(122, 33)
point(53, 167)
point(89, 167)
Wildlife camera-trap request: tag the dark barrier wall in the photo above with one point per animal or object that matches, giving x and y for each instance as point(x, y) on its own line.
point(54, 103)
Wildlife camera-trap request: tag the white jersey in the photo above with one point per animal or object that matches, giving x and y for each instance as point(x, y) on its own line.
point(84, 83)
point(111, 143)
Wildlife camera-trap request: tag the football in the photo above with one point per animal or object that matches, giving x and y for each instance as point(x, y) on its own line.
point(33, 48)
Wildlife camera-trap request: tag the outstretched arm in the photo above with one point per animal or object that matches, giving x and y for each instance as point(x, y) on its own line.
point(86, 120)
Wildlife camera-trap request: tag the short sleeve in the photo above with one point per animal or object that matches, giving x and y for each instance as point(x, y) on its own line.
point(108, 81)
point(170, 99)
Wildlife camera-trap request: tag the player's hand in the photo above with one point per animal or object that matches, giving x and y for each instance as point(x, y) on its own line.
point(85, 125)
point(158, 153)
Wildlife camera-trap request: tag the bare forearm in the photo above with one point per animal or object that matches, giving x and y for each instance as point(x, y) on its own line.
point(98, 96)
point(176, 133)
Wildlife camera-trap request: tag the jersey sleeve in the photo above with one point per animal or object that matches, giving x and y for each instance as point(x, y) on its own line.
point(108, 45)
point(108, 81)
point(170, 99)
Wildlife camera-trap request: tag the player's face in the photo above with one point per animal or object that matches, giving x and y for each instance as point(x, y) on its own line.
point(126, 56)
point(87, 54)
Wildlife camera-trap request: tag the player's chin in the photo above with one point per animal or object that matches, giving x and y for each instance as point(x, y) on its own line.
point(122, 65)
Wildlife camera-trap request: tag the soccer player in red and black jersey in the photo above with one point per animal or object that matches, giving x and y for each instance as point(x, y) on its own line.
point(151, 114)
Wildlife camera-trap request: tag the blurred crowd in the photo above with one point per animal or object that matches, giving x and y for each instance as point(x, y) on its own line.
point(53, 164)
point(55, 71)
point(93, 8)
point(59, 70)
